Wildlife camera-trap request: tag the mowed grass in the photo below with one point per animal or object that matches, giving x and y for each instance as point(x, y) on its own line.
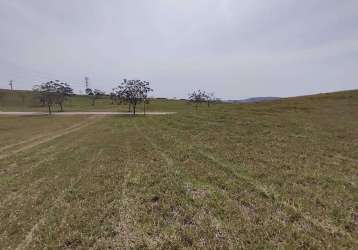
point(280, 174)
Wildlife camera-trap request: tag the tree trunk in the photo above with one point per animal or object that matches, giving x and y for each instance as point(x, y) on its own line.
point(134, 109)
point(144, 107)
point(49, 109)
point(61, 106)
point(129, 107)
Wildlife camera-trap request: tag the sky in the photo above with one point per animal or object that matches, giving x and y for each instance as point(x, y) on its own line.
point(234, 48)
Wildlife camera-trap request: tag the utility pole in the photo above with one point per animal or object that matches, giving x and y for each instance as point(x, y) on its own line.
point(86, 81)
point(11, 84)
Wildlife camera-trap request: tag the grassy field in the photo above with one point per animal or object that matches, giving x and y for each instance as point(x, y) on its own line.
point(280, 174)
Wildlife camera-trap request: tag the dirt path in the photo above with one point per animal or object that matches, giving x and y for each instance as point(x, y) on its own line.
point(80, 113)
point(32, 142)
point(37, 137)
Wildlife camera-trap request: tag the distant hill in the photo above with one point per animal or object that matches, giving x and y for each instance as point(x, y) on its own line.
point(254, 99)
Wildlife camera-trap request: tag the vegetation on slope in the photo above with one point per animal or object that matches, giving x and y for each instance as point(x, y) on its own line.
point(266, 175)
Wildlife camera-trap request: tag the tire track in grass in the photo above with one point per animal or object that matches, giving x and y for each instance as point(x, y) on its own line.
point(36, 137)
point(167, 159)
point(22, 142)
point(18, 193)
point(126, 221)
point(89, 181)
point(267, 191)
point(229, 136)
point(124, 224)
point(81, 175)
point(30, 235)
point(122, 227)
point(275, 197)
point(51, 137)
point(12, 165)
point(343, 179)
point(215, 222)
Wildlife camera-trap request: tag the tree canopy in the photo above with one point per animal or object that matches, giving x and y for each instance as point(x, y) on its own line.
point(133, 92)
point(53, 92)
point(199, 96)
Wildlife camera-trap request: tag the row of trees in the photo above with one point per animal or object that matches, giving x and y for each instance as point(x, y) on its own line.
point(130, 92)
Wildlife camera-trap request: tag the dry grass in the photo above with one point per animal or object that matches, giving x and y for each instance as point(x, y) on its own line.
point(273, 175)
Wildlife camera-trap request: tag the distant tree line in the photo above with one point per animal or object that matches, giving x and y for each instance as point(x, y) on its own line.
point(130, 92)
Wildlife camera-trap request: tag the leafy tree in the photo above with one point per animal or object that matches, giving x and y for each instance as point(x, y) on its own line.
point(94, 94)
point(98, 92)
point(197, 97)
point(53, 93)
point(133, 92)
point(145, 103)
point(89, 91)
point(121, 96)
point(118, 96)
point(67, 90)
point(113, 97)
point(210, 98)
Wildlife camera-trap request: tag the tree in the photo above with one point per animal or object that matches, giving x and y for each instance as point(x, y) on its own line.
point(94, 94)
point(121, 94)
point(52, 93)
point(210, 98)
point(97, 94)
point(197, 97)
point(113, 97)
point(145, 103)
point(89, 91)
point(67, 90)
point(133, 92)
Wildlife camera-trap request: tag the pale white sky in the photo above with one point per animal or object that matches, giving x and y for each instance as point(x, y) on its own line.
point(235, 48)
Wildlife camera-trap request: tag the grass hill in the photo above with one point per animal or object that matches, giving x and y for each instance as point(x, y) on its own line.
point(276, 174)
point(254, 99)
